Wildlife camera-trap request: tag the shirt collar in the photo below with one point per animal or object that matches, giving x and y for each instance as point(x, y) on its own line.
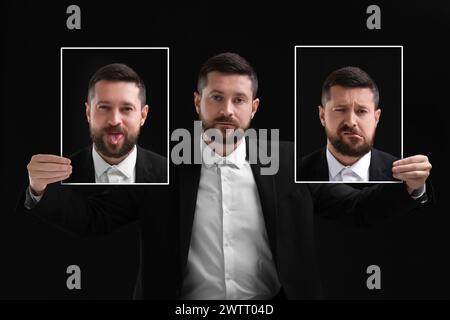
point(236, 158)
point(360, 167)
point(126, 166)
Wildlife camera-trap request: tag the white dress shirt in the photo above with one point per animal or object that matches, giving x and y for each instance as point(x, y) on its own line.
point(229, 255)
point(359, 171)
point(123, 172)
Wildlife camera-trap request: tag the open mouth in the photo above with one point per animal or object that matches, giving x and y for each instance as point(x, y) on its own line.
point(114, 138)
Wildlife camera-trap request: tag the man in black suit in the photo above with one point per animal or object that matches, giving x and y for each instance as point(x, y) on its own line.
point(223, 229)
point(349, 113)
point(116, 109)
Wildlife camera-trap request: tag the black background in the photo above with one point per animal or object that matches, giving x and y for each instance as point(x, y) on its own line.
point(315, 64)
point(411, 251)
point(78, 67)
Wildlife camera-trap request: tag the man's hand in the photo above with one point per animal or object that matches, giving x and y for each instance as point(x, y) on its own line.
point(44, 169)
point(414, 171)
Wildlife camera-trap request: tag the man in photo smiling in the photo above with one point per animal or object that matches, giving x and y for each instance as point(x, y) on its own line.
point(115, 110)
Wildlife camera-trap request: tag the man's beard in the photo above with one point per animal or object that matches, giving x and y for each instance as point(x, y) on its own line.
point(346, 149)
point(110, 150)
point(227, 135)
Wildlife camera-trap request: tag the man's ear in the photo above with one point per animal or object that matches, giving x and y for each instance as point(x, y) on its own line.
point(88, 112)
point(144, 113)
point(321, 114)
point(377, 116)
point(255, 105)
point(197, 100)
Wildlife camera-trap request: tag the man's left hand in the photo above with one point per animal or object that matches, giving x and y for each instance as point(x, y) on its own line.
point(414, 171)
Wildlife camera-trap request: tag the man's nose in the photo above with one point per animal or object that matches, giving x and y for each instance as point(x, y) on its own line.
point(351, 118)
point(228, 108)
point(114, 118)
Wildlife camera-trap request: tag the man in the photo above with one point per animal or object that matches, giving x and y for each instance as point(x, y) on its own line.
point(116, 110)
point(222, 230)
point(349, 113)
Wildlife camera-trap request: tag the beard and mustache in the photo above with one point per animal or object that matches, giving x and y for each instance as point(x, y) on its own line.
point(225, 136)
point(113, 150)
point(349, 149)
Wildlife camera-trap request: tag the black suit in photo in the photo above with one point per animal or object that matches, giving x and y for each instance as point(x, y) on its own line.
point(314, 166)
point(166, 215)
point(150, 167)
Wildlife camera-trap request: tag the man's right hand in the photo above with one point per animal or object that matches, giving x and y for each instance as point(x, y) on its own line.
point(44, 169)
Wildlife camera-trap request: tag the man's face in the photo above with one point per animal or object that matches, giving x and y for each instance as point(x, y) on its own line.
point(350, 120)
point(226, 103)
point(115, 117)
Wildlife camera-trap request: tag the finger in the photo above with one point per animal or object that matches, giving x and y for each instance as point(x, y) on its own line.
point(412, 175)
point(49, 166)
point(422, 166)
point(50, 158)
point(49, 174)
point(412, 159)
point(52, 180)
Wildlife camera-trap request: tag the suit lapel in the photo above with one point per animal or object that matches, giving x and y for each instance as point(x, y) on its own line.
point(86, 171)
point(189, 180)
point(143, 167)
point(268, 197)
point(316, 167)
point(322, 168)
point(377, 172)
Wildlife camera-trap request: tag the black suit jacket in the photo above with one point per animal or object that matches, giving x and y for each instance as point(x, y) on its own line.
point(166, 216)
point(314, 166)
point(150, 167)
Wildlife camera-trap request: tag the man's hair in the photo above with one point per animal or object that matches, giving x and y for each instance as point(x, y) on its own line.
point(349, 77)
point(117, 72)
point(228, 63)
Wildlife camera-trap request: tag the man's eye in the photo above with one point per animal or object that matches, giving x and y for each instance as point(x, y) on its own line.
point(216, 98)
point(127, 109)
point(339, 110)
point(362, 111)
point(239, 100)
point(103, 107)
